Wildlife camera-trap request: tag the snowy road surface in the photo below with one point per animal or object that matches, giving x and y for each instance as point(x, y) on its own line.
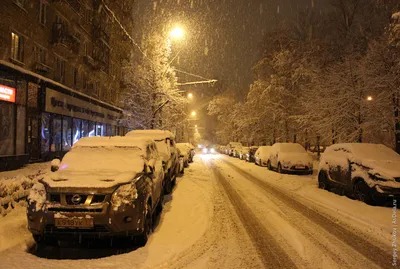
point(226, 213)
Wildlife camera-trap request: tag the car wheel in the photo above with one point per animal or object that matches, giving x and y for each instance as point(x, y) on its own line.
point(323, 181)
point(280, 171)
point(160, 205)
point(186, 164)
point(168, 186)
point(362, 192)
point(148, 226)
point(269, 165)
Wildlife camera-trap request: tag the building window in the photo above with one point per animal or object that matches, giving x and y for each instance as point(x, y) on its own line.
point(56, 134)
point(76, 134)
point(67, 134)
point(17, 47)
point(45, 132)
point(43, 12)
point(75, 77)
point(7, 122)
point(60, 70)
point(40, 55)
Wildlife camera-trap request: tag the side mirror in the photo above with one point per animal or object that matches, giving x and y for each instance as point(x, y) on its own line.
point(55, 165)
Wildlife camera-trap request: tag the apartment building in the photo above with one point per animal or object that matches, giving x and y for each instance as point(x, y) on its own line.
point(60, 75)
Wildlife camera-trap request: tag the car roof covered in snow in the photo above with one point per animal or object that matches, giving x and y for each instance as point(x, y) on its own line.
point(154, 134)
point(113, 141)
point(366, 151)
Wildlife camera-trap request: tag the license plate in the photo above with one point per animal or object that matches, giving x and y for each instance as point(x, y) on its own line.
point(300, 167)
point(74, 222)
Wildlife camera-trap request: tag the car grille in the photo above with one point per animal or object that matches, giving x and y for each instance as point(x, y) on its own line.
point(75, 210)
point(96, 229)
point(70, 199)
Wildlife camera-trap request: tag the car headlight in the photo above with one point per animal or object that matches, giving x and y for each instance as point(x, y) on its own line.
point(125, 195)
point(37, 197)
point(212, 150)
point(205, 150)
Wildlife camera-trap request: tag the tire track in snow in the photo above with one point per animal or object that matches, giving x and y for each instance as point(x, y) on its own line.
point(271, 254)
point(364, 247)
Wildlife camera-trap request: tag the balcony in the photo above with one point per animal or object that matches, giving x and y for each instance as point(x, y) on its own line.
point(101, 33)
point(42, 68)
point(60, 35)
point(75, 5)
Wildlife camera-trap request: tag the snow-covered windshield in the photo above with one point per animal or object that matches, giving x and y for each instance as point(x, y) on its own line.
point(102, 159)
point(374, 152)
point(292, 148)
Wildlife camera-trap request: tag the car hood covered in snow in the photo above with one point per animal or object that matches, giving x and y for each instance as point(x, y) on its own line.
point(383, 168)
point(100, 179)
point(295, 159)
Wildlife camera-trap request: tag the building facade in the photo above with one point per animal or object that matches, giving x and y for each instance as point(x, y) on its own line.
point(60, 76)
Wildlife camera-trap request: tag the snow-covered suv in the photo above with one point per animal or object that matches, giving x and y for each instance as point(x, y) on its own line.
point(165, 142)
point(367, 171)
point(103, 187)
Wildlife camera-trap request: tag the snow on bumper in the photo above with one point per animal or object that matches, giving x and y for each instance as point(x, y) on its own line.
point(104, 220)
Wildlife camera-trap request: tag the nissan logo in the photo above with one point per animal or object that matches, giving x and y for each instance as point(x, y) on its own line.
point(76, 199)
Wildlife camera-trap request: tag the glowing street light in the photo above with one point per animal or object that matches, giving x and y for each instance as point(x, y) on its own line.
point(190, 95)
point(193, 113)
point(195, 126)
point(177, 33)
point(369, 98)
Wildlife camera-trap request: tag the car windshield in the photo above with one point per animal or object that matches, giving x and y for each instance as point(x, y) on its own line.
point(292, 148)
point(375, 152)
point(102, 159)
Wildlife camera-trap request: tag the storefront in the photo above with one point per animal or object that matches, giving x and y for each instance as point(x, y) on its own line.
point(41, 119)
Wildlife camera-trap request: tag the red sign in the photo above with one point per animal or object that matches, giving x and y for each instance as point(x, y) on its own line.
point(7, 94)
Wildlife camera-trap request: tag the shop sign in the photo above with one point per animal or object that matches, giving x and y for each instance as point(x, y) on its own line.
point(66, 105)
point(7, 94)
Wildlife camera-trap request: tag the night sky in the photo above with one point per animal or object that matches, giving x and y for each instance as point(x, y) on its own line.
point(223, 37)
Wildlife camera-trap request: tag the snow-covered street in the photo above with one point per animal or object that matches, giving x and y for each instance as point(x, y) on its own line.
point(227, 213)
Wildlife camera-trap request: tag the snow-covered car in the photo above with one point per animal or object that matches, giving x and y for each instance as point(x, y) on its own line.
point(290, 157)
point(250, 156)
point(243, 152)
point(165, 142)
point(189, 148)
point(182, 161)
point(370, 172)
point(184, 153)
point(262, 155)
point(103, 187)
point(231, 148)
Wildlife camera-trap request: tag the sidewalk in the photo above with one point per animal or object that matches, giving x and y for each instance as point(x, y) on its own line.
point(15, 185)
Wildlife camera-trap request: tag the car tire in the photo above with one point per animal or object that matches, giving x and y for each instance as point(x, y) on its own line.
point(269, 165)
point(362, 192)
point(323, 181)
point(280, 171)
point(186, 164)
point(168, 186)
point(148, 226)
point(160, 205)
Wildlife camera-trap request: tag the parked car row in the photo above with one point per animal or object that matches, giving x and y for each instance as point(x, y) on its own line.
point(107, 187)
point(282, 157)
point(367, 172)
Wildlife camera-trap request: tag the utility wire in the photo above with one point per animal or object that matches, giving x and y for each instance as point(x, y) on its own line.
point(139, 48)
